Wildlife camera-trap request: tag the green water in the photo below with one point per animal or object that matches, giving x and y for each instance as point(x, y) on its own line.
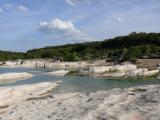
point(75, 84)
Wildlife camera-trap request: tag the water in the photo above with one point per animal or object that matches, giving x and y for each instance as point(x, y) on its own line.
point(74, 84)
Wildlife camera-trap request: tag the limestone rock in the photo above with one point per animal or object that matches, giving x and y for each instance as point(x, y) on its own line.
point(13, 94)
point(58, 73)
point(136, 103)
point(14, 76)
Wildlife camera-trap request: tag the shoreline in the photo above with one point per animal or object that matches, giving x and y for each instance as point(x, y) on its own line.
point(94, 69)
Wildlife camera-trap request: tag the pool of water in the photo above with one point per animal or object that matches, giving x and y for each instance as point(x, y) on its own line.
point(74, 84)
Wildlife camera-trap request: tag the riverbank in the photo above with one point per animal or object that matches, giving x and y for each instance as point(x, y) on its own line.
point(91, 68)
point(136, 103)
point(45, 63)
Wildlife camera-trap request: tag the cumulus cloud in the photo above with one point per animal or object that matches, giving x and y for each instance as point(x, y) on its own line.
point(60, 29)
point(57, 25)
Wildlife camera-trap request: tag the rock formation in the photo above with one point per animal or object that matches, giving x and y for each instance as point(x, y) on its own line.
point(137, 103)
point(11, 77)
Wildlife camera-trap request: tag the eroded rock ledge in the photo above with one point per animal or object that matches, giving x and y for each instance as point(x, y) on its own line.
point(15, 94)
point(12, 77)
point(137, 103)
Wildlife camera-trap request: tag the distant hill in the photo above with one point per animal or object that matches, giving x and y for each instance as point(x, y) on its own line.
point(130, 47)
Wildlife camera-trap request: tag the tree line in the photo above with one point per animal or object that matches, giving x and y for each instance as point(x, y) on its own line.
point(122, 48)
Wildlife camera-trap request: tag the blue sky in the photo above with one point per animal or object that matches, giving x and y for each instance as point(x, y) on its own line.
point(27, 24)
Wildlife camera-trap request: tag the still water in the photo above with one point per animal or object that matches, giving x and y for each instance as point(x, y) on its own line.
point(74, 84)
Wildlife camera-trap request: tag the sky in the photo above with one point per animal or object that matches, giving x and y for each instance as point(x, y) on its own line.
point(28, 24)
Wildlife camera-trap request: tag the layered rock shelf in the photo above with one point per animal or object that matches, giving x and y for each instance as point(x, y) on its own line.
point(126, 70)
point(136, 103)
point(58, 73)
point(45, 64)
point(14, 94)
point(11, 77)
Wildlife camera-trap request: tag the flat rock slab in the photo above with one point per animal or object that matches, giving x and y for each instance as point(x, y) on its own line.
point(137, 103)
point(58, 73)
point(11, 77)
point(13, 94)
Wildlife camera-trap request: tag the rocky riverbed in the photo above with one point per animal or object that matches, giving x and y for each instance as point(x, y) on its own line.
point(97, 68)
point(136, 103)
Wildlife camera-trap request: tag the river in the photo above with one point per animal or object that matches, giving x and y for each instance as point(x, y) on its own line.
point(74, 84)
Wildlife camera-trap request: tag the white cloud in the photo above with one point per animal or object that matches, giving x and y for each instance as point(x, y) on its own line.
point(22, 8)
point(57, 25)
point(62, 29)
point(117, 19)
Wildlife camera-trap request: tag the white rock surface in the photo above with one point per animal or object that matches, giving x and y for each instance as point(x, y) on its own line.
point(121, 71)
point(46, 63)
point(58, 72)
point(137, 72)
point(116, 68)
point(150, 73)
point(100, 69)
point(137, 103)
point(5, 77)
point(122, 74)
point(13, 94)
